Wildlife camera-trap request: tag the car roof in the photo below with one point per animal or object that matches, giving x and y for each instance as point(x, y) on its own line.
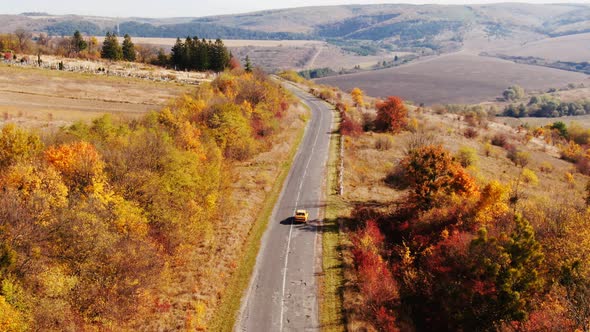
point(300, 211)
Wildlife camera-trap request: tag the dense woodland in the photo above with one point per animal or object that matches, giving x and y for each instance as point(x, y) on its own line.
point(97, 218)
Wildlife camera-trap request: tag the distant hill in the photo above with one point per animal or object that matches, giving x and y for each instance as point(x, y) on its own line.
point(435, 27)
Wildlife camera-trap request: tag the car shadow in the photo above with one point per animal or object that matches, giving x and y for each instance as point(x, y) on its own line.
point(309, 226)
point(289, 221)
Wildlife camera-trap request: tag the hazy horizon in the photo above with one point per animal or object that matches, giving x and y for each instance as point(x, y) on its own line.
point(187, 8)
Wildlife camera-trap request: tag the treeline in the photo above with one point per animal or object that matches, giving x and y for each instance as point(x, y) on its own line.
point(547, 106)
point(66, 28)
point(310, 74)
point(201, 55)
point(582, 67)
point(98, 219)
point(192, 54)
point(203, 29)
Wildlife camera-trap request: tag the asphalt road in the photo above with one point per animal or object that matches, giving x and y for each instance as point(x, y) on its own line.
point(283, 292)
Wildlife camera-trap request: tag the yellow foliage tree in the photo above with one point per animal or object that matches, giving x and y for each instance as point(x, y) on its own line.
point(357, 97)
point(493, 202)
point(10, 319)
point(16, 144)
point(40, 189)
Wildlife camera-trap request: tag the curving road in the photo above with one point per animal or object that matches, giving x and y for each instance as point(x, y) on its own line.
point(283, 291)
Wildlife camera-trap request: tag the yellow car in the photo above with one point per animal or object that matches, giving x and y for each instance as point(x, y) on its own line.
point(301, 215)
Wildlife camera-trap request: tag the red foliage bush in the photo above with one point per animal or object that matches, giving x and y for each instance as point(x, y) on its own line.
point(349, 126)
point(385, 320)
point(392, 115)
point(375, 279)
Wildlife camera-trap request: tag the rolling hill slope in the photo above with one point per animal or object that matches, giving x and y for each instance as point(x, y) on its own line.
point(394, 23)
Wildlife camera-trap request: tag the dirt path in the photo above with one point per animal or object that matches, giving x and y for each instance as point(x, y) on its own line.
point(314, 58)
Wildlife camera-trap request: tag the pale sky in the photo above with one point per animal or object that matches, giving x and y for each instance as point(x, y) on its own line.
point(192, 8)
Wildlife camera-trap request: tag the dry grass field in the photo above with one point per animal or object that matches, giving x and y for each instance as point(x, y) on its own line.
point(454, 78)
point(333, 57)
point(37, 97)
point(572, 48)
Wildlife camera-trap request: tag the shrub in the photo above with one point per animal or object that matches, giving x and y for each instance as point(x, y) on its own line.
point(499, 140)
point(514, 92)
point(368, 121)
point(470, 133)
point(529, 176)
point(398, 178)
point(571, 152)
point(384, 143)
point(292, 76)
point(560, 127)
point(349, 126)
point(583, 166)
point(546, 167)
point(569, 179)
point(487, 149)
point(341, 107)
point(466, 156)
point(579, 134)
point(519, 158)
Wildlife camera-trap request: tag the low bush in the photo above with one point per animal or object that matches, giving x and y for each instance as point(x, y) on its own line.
point(499, 140)
point(384, 143)
point(470, 133)
point(466, 156)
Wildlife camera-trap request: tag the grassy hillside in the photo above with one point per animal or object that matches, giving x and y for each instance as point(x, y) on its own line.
point(424, 23)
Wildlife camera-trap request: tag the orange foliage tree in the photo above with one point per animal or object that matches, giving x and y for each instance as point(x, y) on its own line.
point(431, 170)
point(392, 115)
point(79, 163)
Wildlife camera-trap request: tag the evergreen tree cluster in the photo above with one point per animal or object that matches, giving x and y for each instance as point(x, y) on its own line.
point(112, 50)
point(200, 55)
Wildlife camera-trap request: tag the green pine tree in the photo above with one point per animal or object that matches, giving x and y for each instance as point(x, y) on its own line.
point(220, 56)
point(248, 64)
point(128, 49)
point(78, 42)
point(520, 278)
point(513, 266)
point(110, 48)
point(176, 55)
point(203, 55)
